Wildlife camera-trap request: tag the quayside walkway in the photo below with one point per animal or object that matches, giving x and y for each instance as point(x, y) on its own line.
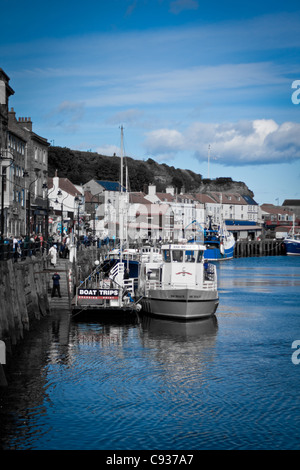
point(57, 303)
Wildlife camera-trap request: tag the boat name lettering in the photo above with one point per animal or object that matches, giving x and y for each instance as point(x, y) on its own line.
point(87, 292)
point(97, 292)
point(108, 292)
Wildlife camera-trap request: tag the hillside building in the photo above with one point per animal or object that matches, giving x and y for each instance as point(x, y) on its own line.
point(65, 203)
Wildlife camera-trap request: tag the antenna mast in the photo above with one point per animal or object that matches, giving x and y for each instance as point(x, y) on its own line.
point(121, 158)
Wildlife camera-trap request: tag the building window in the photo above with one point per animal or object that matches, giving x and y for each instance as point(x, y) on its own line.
point(160, 222)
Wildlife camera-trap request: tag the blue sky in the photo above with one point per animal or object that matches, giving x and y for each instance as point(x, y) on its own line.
point(179, 75)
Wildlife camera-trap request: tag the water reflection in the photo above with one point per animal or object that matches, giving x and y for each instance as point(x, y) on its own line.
point(101, 334)
point(23, 402)
point(149, 383)
point(172, 330)
point(183, 349)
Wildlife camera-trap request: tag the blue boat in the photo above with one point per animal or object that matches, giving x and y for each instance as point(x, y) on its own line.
point(219, 242)
point(129, 257)
point(292, 245)
point(292, 242)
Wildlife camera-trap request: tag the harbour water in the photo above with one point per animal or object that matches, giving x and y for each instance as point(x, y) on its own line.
point(229, 382)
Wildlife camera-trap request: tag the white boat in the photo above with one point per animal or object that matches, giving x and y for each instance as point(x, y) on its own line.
point(181, 285)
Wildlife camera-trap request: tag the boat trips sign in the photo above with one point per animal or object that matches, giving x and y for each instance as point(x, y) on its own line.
point(96, 294)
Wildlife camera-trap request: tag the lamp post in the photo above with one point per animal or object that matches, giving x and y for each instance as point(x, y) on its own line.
point(78, 200)
point(29, 204)
point(47, 217)
point(3, 176)
point(59, 193)
point(94, 209)
point(45, 186)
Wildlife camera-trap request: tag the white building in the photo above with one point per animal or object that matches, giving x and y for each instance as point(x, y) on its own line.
point(109, 206)
point(186, 208)
point(66, 207)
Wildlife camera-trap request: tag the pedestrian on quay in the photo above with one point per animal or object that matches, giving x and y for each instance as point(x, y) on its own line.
point(15, 249)
point(53, 255)
point(56, 284)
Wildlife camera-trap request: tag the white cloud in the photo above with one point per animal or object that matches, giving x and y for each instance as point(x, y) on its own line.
point(184, 85)
point(243, 143)
point(165, 142)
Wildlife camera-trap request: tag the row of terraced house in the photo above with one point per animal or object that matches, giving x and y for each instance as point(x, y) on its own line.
point(34, 203)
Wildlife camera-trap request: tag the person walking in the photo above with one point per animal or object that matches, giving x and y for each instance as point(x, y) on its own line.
point(53, 255)
point(56, 284)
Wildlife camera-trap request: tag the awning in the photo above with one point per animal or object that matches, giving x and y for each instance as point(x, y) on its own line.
point(248, 228)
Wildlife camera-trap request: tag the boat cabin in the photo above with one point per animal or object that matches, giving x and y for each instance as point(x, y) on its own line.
point(180, 265)
point(183, 253)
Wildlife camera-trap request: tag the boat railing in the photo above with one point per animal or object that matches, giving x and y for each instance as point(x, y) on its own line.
point(129, 285)
point(96, 280)
point(210, 277)
point(209, 285)
point(206, 285)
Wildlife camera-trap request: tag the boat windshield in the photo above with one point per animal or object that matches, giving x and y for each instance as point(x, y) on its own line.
point(177, 255)
point(182, 256)
point(192, 256)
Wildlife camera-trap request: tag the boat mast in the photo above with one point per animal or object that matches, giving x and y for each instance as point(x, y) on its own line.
point(208, 158)
point(121, 215)
point(121, 158)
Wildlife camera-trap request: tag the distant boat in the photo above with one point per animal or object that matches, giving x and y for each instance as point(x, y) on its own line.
point(292, 241)
point(182, 285)
point(219, 242)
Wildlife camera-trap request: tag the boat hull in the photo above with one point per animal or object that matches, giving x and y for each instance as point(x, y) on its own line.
point(98, 312)
point(292, 247)
point(183, 304)
point(214, 254)
point(221, 252)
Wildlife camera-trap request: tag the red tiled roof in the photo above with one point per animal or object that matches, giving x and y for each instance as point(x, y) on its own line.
point(271, 209)
point(228, 198)
point(204, 198)
point(138, 198)
point(65, 185)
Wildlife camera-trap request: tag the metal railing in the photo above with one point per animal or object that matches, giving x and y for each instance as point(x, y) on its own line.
point(27, 249)
point(209, 281)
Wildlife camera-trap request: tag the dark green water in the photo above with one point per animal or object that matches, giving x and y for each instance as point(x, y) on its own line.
point(229, 382)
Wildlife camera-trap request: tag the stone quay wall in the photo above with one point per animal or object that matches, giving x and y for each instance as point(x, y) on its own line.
point(23, 297)
point(266, 247)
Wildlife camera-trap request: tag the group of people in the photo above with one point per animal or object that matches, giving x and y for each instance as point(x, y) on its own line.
point(12, 247)
point(21, 247)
